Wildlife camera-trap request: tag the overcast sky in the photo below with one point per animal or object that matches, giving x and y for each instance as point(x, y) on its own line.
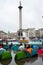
point(32, 13)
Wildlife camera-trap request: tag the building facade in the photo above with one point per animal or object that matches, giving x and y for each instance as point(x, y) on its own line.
point(3, 34)
point(7, 35)
point(31, 32)
point(39, 32)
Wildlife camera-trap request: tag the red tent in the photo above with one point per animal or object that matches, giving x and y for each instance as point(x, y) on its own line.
point(0, 46)
point(40, 51)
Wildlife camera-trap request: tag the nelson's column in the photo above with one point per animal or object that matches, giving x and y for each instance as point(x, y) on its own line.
point(20, 21)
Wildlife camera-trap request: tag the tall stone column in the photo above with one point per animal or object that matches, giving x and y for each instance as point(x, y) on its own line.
point(20, 21)
point(20, 16)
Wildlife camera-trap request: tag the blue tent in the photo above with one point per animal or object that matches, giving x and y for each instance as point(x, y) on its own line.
point(2, 50)
point(35, 47)
point(15, 48)
point(31, 52)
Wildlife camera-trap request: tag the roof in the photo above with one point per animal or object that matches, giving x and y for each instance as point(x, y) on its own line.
point(2, 32)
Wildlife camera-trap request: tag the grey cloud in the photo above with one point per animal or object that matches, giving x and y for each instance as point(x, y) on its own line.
point(31, 14)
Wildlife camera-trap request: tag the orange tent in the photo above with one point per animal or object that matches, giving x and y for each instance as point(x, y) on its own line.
point(29, 50)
